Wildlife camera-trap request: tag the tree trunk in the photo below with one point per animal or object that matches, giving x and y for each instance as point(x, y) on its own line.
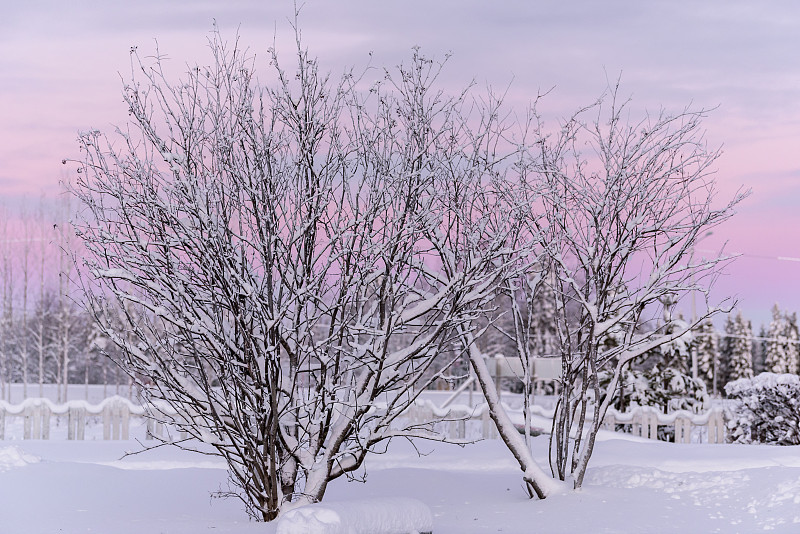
point(537, 482)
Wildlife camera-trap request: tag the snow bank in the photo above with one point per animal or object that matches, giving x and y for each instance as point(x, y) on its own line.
point(373, 516)
point(12, 457)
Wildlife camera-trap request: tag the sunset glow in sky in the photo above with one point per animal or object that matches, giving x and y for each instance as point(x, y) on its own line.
point(61, 65)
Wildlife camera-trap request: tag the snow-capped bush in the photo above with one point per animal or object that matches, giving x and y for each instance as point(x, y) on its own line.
point(768, 410)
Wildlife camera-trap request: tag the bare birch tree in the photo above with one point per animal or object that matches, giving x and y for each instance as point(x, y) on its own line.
point(22, 333)
point(486, 226)
point(624, 204)
point(7, 314)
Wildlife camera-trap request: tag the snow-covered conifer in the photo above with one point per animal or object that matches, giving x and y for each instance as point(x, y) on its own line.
point(780, 353)
point(759, 347)
point(740, 362)
point(546, 317)
point(792, 339)
point(676, 354)
point(707, 347)
point(725, 347)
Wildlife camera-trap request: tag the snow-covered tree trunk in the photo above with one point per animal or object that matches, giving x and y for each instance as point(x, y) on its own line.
point(537, 482)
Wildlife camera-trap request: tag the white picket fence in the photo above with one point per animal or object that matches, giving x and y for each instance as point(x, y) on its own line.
point(39, 416)
point(456, 421)
point(707, 427)
point(459, 422)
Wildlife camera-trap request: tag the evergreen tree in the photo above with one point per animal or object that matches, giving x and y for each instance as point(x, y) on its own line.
point(707, 353)
point(740, 364)
point(780, 354)
point(677, 353)
point(793, 341)
point(759, 351)
point(543, 307)
point(726, 345)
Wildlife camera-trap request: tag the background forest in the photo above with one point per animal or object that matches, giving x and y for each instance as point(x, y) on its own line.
point(46, 337)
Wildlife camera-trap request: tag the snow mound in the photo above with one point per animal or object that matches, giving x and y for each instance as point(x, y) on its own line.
point(11, 457)
point(373, 516)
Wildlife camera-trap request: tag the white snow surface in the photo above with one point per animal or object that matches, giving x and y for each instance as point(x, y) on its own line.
point(371, 516)
point(11, 457)
point(632, 485)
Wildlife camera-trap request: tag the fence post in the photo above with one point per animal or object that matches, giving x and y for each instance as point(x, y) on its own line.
point(636, 422)
point(716, 427)
point(652, 424)
point(461, 429)
point(26, 426)
point(76, 422)
point(683, 429)
point(489, 428)
point(80, 430)
point(424, 414)
point(115, 421)
point(151, 428)
point(107, 422)
point(71, 422)
point(413, 414)
point(126, 420)
point(36, 413)
point(609, 421)
point(116, 418)
point(45, 422)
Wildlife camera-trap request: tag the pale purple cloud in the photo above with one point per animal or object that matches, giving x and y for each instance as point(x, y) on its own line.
point(59, 65)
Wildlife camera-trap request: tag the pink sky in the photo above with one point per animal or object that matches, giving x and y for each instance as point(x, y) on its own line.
point(60, 65)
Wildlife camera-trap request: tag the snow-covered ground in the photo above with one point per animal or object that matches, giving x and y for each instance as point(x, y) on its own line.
point(633, 485)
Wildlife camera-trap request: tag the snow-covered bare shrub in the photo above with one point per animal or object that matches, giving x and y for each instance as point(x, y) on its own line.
point(276, 252)
point(767, 411)
point(624, 203)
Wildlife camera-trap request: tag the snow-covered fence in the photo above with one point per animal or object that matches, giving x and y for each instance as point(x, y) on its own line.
point(461, 422)
point(645, 421)
point(39, 415)
point(457, 421)
point(544, 371)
